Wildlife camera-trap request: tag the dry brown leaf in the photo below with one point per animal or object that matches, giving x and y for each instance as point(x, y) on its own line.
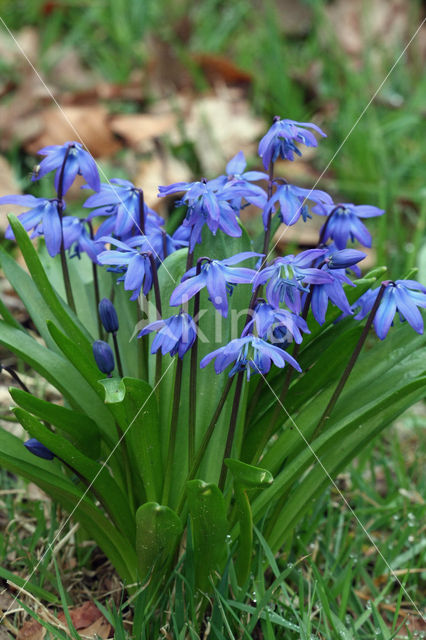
point(90, 123)
point(82, 616)
point(101, 628)
point(31, 630)
point(217, 68)
point(137, 129)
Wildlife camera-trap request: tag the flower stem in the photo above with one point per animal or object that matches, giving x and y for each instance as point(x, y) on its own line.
point(173, 432)
point(141, 213)
point(324, 229)
point(193, 379)
point(351, 363)
point(117, 354)
point(96, 285)
point(207, 437)
point(158, 356)
point(15, 376)
point(60, 205)
point(232, 428)
point(268, 225)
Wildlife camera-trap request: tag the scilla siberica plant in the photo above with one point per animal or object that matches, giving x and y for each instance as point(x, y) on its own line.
point(245, 378)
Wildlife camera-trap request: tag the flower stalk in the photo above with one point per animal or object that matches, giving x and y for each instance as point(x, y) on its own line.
point(60, 205)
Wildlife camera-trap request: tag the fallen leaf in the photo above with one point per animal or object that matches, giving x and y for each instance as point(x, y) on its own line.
point(82, 616)
point(88, 123)
point(137, 129)
point(217, 68)
point(99, 629)
point(31, 630)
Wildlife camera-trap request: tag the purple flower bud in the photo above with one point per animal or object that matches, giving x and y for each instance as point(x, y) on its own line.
point(108, 315)
point(38, 449)
point(104, 356)
point(345, 258)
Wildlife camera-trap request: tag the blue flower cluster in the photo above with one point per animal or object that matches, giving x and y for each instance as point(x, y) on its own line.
point(132, 242)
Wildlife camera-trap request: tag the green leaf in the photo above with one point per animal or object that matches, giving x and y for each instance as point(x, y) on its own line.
point(65, 317)
point(95, 475)
point(114, 390)
point(49, 477)
point(158, 529)
point(137, 416)
point(247, 475)
point(29, 586)
point(61, 374)
point(27, 291)
point(209, 528)
point(83, 431)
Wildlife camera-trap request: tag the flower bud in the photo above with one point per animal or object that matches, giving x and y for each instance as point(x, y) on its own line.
point(108, 315)
point(38, 449)
point(104, 356)
point(345, 258)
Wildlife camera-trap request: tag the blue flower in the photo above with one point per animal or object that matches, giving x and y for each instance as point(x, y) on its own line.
point(333, 291)
point(108, 315)
point(205, 206)
point(78, 161)
point(345, 223)
point(43, 217)
point(104, 357)
point(120, 202)
point(175, 335)
point(250, 354)
point(291, 201)
point(402, 296)
point(133, 261)
point(38, 449)
point(218, 276)
point(77, 238)
point(237, 184)
point(287, 277)
point(281, 139)
point(343, 259)
point(267, 319)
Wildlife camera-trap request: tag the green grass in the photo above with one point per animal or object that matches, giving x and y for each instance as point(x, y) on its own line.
point(328, 582)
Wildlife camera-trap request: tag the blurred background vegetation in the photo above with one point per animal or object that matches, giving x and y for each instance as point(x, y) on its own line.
point(300, 59)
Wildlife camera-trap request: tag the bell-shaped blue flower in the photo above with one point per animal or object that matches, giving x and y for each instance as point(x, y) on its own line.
point(332, 291)
point(402, 296)
point(218, 276)
point(281, 139)
point(43, 217)
point(133, 261)
point(287, 278)
point(344, 224)
point(237, 184)
point(78, 161)
point(38, 449)
point(120, 202)
point(249, 354)
point(205, 206)
point(175, 335)
point(292, 203)
point(267, 319)
point(77, 238)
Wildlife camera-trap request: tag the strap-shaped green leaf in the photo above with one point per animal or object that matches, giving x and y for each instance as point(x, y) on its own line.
point(83, 431)
point(49, 477)
point(66, 318)
point(158, 529)
point(209, 528)
point(136, 413)
point(245, 477)
point(96, 476)
point(61, 374)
